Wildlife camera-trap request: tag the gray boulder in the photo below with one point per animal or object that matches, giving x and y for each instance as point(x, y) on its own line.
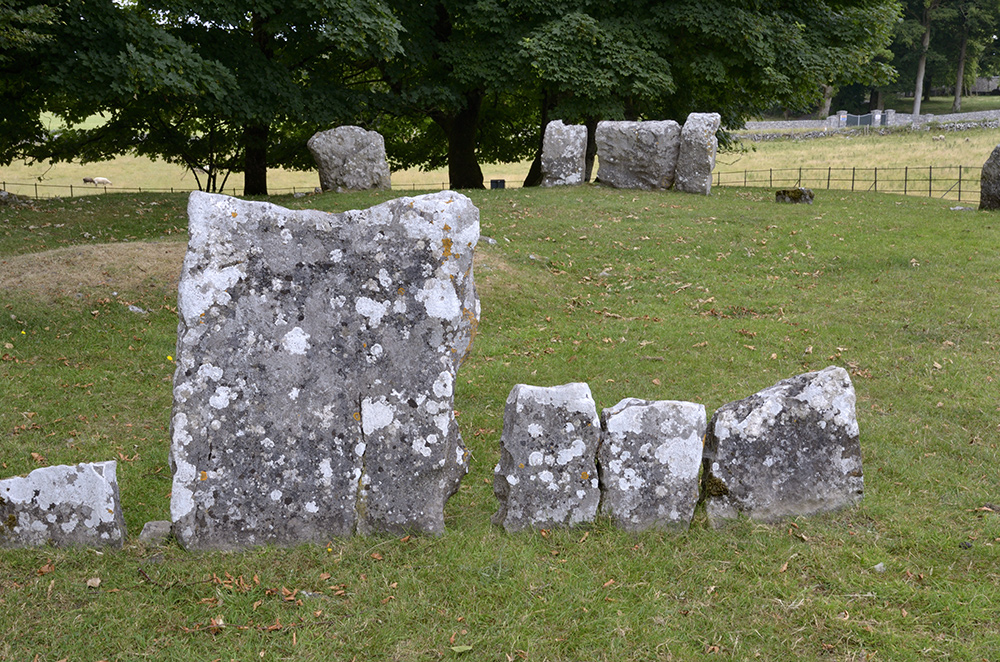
point(350, 158)
point(638, 155)
point(795, 196)
point(989, 183)
point(649, 461)
point(790, 450)
point(316, 362)
point(696, 159)
point(547, 475)
point(62, 505)
point(564, 150)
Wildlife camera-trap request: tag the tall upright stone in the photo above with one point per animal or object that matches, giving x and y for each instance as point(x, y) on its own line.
point(63, 505)
point(792, 449)
point(697, 153)
point(638, 155)
point(316, 362)
point(547, 474)
point(989, 182)
point(564, 151)
point(350, 158)
point(649, 461)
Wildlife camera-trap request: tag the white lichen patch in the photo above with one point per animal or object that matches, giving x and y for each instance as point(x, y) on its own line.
point(376, 415)
point(296, 341)
point(439, 299)
point(371, 310)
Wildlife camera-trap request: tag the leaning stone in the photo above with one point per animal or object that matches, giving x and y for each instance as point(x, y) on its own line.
point(155, 532)
point(989, 182)
point(63, 505)
point(637, 155)
point(794, 196)
point(697, 153)
point(564, 151)
point(547, 475)
point(316, 362)
point(790, 450)
point(350, 158)
point(649, 462)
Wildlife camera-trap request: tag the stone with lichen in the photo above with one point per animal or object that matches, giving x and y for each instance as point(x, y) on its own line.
point(790, 450)
point(547, 474)
point(564, 151)
point(649, 462)
point(350, 158)
point(316, 363)
point(696, 158)
point(62, 505)
point(638, 155)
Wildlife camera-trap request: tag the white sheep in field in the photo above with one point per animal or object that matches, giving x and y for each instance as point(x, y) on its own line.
point(97, 181)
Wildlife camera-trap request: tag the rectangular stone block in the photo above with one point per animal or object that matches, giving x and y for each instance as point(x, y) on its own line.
point(564, 152)
point(638, 155)
point(316, 363)
point(696, 159)
point(62, 505)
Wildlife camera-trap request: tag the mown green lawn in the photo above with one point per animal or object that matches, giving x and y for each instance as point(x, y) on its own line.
point(650, 295)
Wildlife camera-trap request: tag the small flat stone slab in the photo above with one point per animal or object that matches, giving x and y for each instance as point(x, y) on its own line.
point(316, 363)
point(155, 532)
point(790, 450)
point(62, 505)
point(649, 462)
point(564, 151)
point(698, 147)
point(795, 196)
point(547, 474)
point(638, 155)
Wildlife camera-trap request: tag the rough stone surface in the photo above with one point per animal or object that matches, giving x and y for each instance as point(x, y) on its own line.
point(795, 196)
point(547, 475)
point(649, 461)
point(697, 153)
point(62, 505)
point(789, 450)
point(564, 151)
point(639, 155)
point(316, 362)
point(989, 183)
point(155, 532)
point(350, 158)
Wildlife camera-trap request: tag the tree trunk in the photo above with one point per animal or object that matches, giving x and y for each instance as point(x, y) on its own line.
point(956, 105)
point(588, 166)
point(255, 136)
point(463, 164)
point(534, 177)
point(824, 109)
point(925, 44)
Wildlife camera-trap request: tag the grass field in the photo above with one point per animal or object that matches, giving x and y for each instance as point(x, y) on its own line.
point(650, 295)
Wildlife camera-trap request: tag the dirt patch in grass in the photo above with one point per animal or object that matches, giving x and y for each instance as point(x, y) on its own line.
point(123, 267)
point(66, 272)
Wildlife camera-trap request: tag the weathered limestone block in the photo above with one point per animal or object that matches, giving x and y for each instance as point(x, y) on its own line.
point(639, 155)
point(350, 158)
point(316, 362)
point(795, 196)
point(649, 461)
point(547, 475)
point(789, 450)
point(697, 153)
point(989, 182)
point(62, 505)
point(564, 151)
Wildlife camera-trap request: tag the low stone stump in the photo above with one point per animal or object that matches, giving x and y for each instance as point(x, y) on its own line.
point(698, 147)
point(62, 505)
point(649, 461)
point(316, 363)
point(564, 151)
point(547, 475)
point(350, 158)
point(794, 196)
point(989, 182)
point(638, 155)
point(790, 450)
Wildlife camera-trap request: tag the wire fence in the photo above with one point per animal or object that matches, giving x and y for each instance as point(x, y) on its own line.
point(959, 183)
point(38, 190)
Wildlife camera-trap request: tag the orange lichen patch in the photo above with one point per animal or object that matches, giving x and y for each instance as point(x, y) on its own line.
point(446, 247)
point(357, 416)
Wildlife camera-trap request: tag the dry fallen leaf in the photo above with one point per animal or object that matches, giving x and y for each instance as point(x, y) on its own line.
point(376, 556)
point(93, 582)
point(47, 568)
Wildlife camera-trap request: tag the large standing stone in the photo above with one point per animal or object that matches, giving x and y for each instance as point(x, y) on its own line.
point(789, 450)
point(639, 155)
point(564, 151)
point(697, 153)
point(989, 182)
point(316, 361)
point(547, 475)
point(350, 159)
point(649, 462)
point(62, 505)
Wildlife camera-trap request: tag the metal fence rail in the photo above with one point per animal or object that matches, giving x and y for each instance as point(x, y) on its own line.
point(959, 183)
point(39, 190)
